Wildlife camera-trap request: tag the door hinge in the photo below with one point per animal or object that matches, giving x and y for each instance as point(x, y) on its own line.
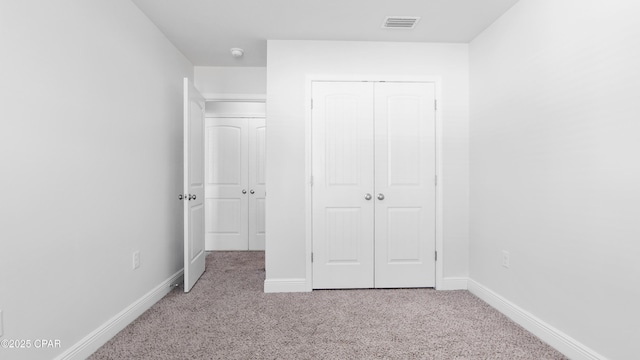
point(311, 180)
point(436, 180)
point(311, 104)
point(435, 104)
point(436, 256)
point(311, 256)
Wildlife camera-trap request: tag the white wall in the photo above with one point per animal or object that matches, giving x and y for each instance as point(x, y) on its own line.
point(91, 161)
point(288, 64)
point(245, 82)
point(555, 169)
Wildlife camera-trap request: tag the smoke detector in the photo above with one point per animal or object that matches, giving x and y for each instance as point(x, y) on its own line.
point(400, 22)
point(237, 52)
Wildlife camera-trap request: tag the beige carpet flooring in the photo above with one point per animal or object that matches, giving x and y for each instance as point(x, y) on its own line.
point(227, 316)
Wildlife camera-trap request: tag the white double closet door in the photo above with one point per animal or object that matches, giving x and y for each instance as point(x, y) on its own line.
point(235, 183)
point(373, 168)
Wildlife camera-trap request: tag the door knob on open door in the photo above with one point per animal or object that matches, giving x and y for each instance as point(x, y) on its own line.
point(180, 196)
point(367, 197)
point(380, 196)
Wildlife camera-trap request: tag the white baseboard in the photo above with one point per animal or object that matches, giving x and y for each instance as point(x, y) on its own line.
point(454, 283)
point(562, 342)
point(285, 285)
point(90, 343)
point(300, 285)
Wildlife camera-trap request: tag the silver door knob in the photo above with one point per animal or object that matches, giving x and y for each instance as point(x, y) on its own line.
point(190, 197)
point(367, 197)
point(380, 196)
point(253, 192)
point(180, 196)
point(244, 191)
point(194, 197)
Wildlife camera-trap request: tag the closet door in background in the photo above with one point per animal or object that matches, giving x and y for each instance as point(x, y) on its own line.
point(235, 193)
point(226, 193)
point(257, 192)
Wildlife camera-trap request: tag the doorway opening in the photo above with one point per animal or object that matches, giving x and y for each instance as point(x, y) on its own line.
point(235, 194)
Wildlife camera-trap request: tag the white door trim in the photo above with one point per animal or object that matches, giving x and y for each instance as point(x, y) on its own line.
point(310, 78)
point(239, 113)
point(235, 97)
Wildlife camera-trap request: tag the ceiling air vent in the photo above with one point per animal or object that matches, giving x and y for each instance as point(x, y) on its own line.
point(400, 22)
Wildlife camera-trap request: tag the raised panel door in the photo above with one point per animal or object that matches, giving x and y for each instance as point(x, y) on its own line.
point(342, 167)
point(257, 195)
point(194, 212)
point(226, 184)
point(405, 188)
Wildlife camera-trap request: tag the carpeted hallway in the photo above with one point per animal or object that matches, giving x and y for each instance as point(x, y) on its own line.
point(227, 316)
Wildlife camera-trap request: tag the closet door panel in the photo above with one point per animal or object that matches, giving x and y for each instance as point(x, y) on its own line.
point(257, 194)
point(405, 185)
point(226, 184)
point(342, 167)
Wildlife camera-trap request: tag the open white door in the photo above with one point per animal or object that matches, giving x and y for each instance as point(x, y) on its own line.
point(194, 254)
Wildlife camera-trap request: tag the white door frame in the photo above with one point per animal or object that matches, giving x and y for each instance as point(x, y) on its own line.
point(310, 78)
point(248, 98)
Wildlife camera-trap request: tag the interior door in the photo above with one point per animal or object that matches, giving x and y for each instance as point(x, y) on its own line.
point(257, 191)
point(373, 184)
point(405, 185)
point(342, 164)
point(227, 178)
point(194, 253)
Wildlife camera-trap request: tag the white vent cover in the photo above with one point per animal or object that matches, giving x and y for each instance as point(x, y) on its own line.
point(400, 22)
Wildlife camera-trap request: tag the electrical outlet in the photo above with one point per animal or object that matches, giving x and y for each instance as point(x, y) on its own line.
point(1, 324)
point(505, 259)
point(136, 259)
